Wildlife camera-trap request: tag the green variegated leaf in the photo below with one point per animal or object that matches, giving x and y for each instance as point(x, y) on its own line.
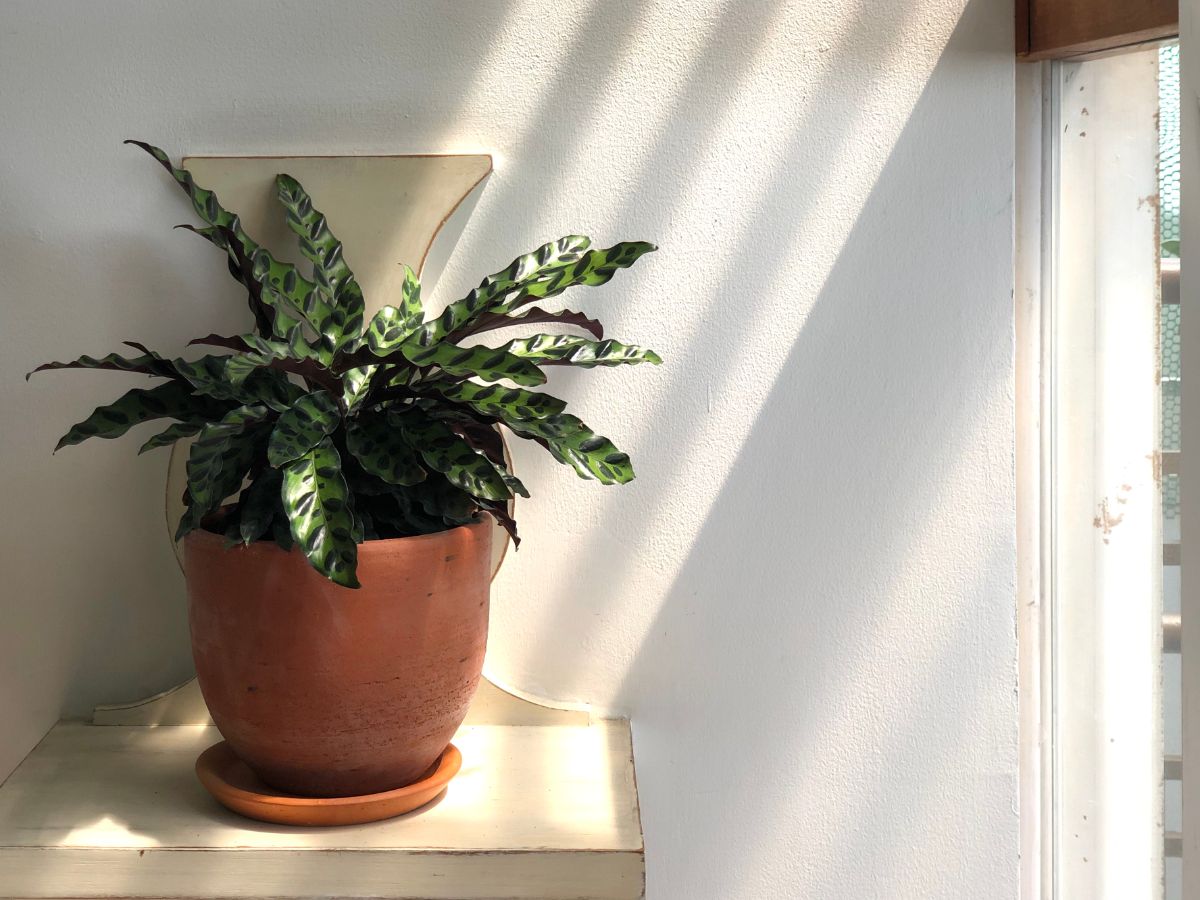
point(244, 416)
point(173, 400)
point(410, 414)
point(387, 330)
point(593, 268)
point(295, 348)
point(257, 506)
point(355, 385)
point(149, 364)
point(324, 251)
point(272, 389)
point(494, 399)
point(439, 499)
point(261, 353)
point(542, 262)
point(218, 461)
point(170, 435)
point(513, 482)
point(302, 427)
point(568, 350)
point(411, 306)
point(311, 301)
point(319, 507)
point(240, 369)
point(209, 376)
point(474, 362)
point(573, 443)
point(392, 325)
point(377, 443)
point(446, 452)
point(395, 514)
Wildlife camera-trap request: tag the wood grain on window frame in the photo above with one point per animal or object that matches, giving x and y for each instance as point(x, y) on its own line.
point(1054, 29)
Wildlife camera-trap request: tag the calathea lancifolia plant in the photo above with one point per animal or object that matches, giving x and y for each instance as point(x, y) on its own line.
point(332, 429)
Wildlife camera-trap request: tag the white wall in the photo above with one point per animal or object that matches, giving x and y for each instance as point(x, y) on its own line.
point(806, 600)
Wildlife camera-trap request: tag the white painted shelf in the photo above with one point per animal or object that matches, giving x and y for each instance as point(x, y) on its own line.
point(538, 811)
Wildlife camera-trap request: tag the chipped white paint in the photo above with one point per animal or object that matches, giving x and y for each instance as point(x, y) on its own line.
point(1105, 557)
point(806, 599)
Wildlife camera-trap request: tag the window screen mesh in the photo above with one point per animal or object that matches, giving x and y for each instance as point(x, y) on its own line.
point(1168, 144)
point(1168, 192)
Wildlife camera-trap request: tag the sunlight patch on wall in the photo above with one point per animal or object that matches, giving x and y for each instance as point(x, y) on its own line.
point(767, 176)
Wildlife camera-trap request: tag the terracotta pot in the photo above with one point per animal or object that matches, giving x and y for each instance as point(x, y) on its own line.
point(331, 692)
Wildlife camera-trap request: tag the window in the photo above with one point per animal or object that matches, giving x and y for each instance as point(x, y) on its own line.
point(1089, 470)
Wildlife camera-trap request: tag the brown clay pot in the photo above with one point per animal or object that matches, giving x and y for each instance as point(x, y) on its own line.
point(331, 692)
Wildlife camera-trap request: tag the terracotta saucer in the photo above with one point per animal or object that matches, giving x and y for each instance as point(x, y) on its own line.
point(235, 786)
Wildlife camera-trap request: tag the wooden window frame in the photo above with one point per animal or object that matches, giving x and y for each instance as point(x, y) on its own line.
point(1057, 29)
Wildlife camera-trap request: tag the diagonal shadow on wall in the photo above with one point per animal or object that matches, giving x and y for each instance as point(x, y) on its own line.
point(873, 656)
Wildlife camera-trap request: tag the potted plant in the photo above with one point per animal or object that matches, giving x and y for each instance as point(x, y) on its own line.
point(336, 531)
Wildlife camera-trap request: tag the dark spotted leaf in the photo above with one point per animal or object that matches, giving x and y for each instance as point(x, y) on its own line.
point(172, 434)
point(319, 507)
point(392, 325)
point(265, 353)
point(173, 400)
point(411, 306)
point(409, 413)
point(500, 511)
point(257, 506)
point(324, 251)
point(498, 400)
point(206, 375)
point(355, 385)
point(486, 440)
point(298, 348)
point(543, 262)
point(149, 364)
point(209, 376)
point(534, 315)
point(513, 482)
point(439, 499)
point(278, 279)
point(378, 445)
point(446, 452)
point(281, 529)
point(483, 437)
point(474, 362)
point(241, 366)
point(235, 342)
point(594, 267)
point(395, 514)
point(574, 444)
point(218, 461)
point(302, 427)
point(369, 531)
point(568, 350)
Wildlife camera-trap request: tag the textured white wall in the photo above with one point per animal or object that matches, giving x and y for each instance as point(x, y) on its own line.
point(806, 600)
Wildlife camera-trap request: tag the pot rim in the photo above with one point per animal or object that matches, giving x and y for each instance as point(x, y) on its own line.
point(483, 520)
